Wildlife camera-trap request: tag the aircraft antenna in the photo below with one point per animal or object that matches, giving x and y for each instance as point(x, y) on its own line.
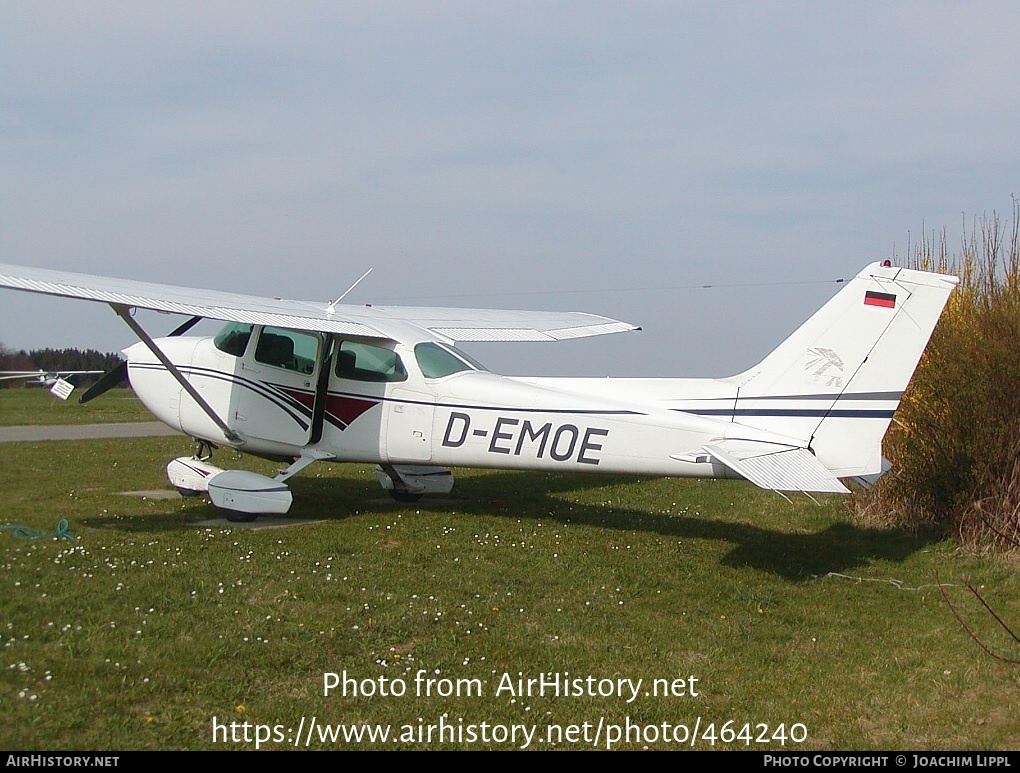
point(331, 308)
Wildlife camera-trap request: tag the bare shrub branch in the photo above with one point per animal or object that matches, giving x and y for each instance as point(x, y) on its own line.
point(974, 636)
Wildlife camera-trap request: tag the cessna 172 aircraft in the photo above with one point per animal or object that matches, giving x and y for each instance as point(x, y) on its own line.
point(300, 381)
point(53, 380)
point(44, 377)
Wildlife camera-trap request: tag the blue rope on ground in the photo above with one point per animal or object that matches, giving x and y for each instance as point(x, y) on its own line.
point(24, 532)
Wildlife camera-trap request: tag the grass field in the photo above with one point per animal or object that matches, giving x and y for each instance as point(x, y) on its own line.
point(149, 627)
point(34, 405)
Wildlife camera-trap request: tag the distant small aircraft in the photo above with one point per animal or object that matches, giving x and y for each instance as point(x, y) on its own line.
point(302, 381)
point(45, 378)
point(54, 380)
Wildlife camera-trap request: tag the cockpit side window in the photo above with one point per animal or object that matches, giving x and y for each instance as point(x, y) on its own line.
point(287, 349)
point(368, 362)
point(233, 338)
point(437, 361)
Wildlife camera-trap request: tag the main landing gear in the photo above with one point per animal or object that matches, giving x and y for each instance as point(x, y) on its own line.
point(242, 496)
point(409, 482)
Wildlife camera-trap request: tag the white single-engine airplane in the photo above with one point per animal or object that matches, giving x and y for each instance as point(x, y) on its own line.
point(45, 378)
point(53, 380)
point(301, 381)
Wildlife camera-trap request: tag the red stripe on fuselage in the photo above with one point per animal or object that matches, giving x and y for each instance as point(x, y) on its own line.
point(347, 409)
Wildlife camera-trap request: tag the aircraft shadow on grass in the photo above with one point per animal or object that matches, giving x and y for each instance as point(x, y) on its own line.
point(839, 547)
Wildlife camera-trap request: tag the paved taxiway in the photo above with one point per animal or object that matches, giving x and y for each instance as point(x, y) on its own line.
point(85, 431)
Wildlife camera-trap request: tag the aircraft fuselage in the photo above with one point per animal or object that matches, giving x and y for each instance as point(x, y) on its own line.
point(396, 414)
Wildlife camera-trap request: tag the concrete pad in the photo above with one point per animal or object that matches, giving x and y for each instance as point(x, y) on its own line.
point(262, 522)
point(156, 494)
point(423, 502)
point(85, 431)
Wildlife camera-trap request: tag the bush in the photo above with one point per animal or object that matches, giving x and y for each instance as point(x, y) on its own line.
point(955, 441)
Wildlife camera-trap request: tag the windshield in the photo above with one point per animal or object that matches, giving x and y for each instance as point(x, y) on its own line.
point(233, 338)
point(438, 360)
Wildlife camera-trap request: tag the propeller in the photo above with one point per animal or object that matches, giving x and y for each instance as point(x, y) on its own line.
point(119, 373)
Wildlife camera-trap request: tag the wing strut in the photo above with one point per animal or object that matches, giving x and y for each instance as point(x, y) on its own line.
point(124, 312)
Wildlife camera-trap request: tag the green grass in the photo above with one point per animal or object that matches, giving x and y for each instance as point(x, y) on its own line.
point(33, 405)
point(149, 626)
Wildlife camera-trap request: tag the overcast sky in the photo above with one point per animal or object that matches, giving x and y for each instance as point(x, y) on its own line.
point(611, 157)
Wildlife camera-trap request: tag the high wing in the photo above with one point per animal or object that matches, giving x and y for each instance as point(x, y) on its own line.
point(12, 375)
point(369, 321)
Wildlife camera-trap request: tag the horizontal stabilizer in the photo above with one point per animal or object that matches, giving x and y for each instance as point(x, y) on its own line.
point(775, 466)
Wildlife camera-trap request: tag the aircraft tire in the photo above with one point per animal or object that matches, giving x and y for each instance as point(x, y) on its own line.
point(236, 516)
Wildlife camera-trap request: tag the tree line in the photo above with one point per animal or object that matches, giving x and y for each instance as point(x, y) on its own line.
point(55, 360)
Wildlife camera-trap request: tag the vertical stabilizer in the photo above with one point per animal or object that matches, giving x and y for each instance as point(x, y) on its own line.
point(837, 380)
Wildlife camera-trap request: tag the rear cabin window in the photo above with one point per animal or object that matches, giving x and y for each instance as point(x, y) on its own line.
point(367, 362)
point(233, 338)
point(288, 349)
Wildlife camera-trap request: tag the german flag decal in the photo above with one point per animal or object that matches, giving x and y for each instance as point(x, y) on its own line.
point(886, 300)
